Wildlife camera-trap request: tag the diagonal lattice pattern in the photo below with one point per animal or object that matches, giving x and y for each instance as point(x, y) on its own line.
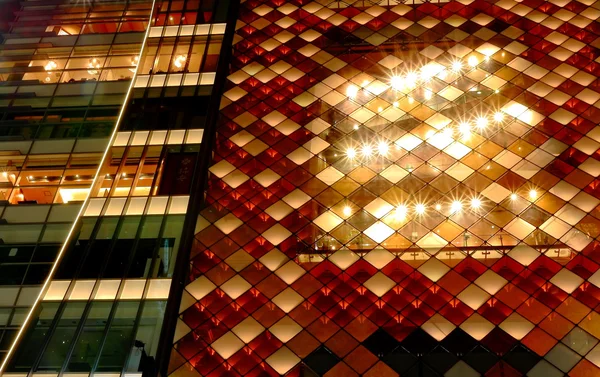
point(401, 189)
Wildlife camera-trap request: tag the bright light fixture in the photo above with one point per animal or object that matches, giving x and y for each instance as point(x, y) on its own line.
point(456, 206)
point(411, 79)
point(498, 117)
point(397, 82)
point(481, 122)
point(179, 61)
point(475, 203)
point(347, 211)
point(457, 66)
point(472, 61)
point(367, 150)
point(383, 148)
point(51, 65)
point(351, 152)
point(351, 91)
point(513, 196)
point(420, 208)
point(464, 128)
point(401, 211)
point(533, 194)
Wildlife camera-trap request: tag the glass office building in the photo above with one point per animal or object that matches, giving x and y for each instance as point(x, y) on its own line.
point(103, 109)
point(301, 188)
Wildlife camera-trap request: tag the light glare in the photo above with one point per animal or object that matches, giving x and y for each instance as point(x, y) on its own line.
point(464, 129)
point(351, 152)
point(457, 66)
point(401, 211)
point(351, 91)
point(428, 94)
point(481, 122)
point(456, 206)
point(383, 148)
point(411, 79)
point(397, 82)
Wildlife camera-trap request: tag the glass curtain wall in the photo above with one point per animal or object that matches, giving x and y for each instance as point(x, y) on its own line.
point(104, 307)
point(64, 72)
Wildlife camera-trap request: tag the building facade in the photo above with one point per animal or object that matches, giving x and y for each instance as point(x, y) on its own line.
point(104, 109)
point(401, 188)
point(301, 187)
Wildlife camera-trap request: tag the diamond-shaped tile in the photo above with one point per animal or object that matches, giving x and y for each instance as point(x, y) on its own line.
point(235, 287)
point(379, 284)
point(379, 232)
point(287, 300)
point(285, 329)
point(276, 234)
point(327, 221)
point(227, 345)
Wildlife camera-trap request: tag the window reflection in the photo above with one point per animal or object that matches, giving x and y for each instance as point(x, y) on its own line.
point(34, 338)
point(88, 345)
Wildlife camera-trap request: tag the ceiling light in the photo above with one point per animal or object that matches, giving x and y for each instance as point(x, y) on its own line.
point(93, 66)
point(456, 206)
point(420, 209)
point(351, 91)
point(383, 148)
point(481, 122)
point(347, 211)
point(401, 211)
point(411, 79)
point(179, 61)
point(438, 207)
point(464, 128)
point(475, 203)
point(134, 62)
point(513, 196)
point(498, 117)
point(351, 152)
point(51, 65)
point(457, 66)
point(533, 194)
point(367, 150)
point(397, 82)
point(472, 61)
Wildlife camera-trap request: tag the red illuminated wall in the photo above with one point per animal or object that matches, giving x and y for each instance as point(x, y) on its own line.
point(401, 189)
